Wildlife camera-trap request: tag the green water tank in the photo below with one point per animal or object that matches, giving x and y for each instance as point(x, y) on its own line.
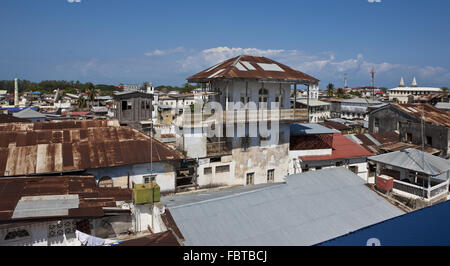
point(146, 193)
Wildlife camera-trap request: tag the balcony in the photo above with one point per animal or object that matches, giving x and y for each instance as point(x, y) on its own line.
point(245, 116)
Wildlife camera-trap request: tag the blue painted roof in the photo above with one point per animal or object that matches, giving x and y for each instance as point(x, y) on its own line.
point(425, 227)
point(18, 109)
point(311, 129)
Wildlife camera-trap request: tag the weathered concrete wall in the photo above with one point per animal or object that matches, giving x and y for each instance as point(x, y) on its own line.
point(439, 135)
point(388, 121)
point(215, 179)
point(165, 174)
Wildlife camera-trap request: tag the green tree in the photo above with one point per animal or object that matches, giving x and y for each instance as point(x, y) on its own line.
point(330, 90)
point(340, 93)
point(92, 93)
point(81, 102)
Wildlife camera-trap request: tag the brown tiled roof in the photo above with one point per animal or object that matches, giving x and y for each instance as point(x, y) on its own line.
point(251, 67)
point(432, 114)
point(92, 199)
point(51, 147)
point(160, 239)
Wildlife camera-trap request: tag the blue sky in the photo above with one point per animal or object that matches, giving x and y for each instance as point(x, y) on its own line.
point(132, 41)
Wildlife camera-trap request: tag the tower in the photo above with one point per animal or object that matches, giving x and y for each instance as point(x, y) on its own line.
point(372, 72)
point(402, 83)
point(345, 81)
point(16, 92)
point(414, 83)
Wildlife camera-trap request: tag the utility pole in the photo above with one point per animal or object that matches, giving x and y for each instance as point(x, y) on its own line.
point(372, 72)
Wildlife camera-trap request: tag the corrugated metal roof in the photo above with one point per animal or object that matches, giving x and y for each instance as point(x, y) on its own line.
point(432, 114)
point(444, 106)
point(411, 159)
point(342, 148)
point(28, 113)
point(311, 129)
point(56, 196)
point(67, 146)
point(397, 231)
point(310, 208)
point(160, 239)
point(256, 67)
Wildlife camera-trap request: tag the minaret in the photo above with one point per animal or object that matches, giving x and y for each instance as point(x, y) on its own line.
point(402, 83)
point(345, 80)
point(414, 83)
point(16, 92)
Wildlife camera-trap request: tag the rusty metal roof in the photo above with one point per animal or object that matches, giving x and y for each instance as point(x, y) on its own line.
point(252, 67)
point(160, 239)
point(91, 199)
point(12, 119)
point(67, 146)
point(432, 114)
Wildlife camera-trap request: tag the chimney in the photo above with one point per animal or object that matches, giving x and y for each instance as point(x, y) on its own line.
point(16, 92)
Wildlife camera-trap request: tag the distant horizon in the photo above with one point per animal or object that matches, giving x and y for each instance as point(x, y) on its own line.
point(164, 42)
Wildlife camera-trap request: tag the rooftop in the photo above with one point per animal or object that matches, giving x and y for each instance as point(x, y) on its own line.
point(311, 129)
point(252, 67)
point(342, 148)
point(28, 198)
point(308, 209)
point(412, 159)
point(67, 146)
point(393, 232)
point(432, 114)
point(443, 106)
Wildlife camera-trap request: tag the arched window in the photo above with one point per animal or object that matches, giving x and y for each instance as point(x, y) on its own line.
point(105, 181)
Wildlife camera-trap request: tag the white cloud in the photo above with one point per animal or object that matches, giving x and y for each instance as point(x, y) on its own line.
point(158, 52)
point(172, 66)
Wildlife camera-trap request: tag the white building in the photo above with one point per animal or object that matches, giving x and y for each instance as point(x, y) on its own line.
point(251, 92)
point(401, 93)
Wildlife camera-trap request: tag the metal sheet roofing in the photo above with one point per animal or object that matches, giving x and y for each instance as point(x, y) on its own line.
point(252, 67)
point(28, 113)
point(393, 232)
point(309, 209)
point(411, 159)
point(342, 148)
point(443, 106)
point(28, 198)
point(431, 114)
point(40, 148)
point(311, 129)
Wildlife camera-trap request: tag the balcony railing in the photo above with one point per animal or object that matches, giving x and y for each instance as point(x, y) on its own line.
point(427, 193)
point(246, 116)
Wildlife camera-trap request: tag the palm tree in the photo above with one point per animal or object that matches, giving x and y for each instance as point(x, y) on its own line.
point(330, 89)
point(340, 93)
point(81, 102)
point(91, 94)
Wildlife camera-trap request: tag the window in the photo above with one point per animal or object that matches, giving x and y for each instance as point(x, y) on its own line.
point(338, 164)
point(207, 170)
point(429, 140)
point(149, 178)
point(409, 137)
point(270, 176)
point(222, 169)
point(263, 96)
point(281, 138)
point(250, 178)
